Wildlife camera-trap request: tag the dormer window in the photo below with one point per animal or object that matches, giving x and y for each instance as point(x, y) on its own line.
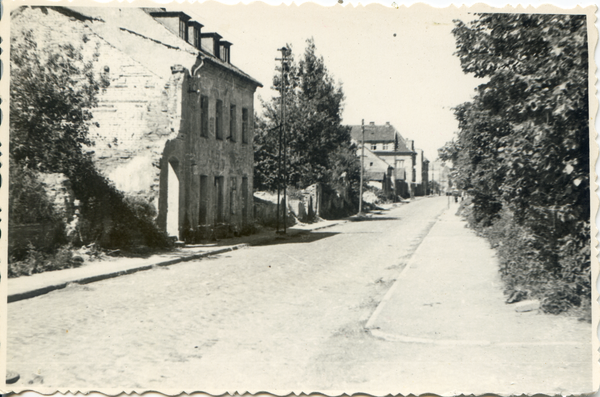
point(211, 42)
point(176, 22)
point(225, 53)
point(194, 32)
point(182, 30)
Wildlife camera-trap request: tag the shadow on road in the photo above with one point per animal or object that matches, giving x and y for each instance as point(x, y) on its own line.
point(294, 238)
point(373, 218)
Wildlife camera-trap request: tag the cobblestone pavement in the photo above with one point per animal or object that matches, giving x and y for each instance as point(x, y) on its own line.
point(281, 317)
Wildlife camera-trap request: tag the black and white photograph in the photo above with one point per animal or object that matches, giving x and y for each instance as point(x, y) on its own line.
point(351, 198)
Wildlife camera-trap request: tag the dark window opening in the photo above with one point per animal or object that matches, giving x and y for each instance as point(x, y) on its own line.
point(232, 123)
point(244, 199)
point(219, 120)
point(244, 125)
point(204, 116)
point(203, 213)
point(219, 199)
point(232, 195)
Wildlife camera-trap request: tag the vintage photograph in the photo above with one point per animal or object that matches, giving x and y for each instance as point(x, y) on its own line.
point(253, 198)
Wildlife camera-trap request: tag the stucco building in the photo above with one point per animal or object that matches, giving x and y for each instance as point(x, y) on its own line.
point(175, 125)
point(385, 142)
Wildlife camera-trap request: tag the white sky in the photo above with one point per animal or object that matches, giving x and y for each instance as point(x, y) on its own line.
point(411, 79)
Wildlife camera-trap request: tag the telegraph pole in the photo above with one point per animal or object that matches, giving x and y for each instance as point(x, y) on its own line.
point(362, 166)
point(285, 53)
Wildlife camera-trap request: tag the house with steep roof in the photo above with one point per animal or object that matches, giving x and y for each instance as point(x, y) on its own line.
point(385, 142)
point(175, 125)
point(377, 172)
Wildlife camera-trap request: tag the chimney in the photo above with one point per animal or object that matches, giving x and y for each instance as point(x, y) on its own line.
point(210, 41)
point(372, 123)
point(387, 123)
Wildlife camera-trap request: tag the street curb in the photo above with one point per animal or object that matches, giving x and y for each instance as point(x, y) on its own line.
point(388, 295)
point(100, 277)
point(462, 342)
point(92, 279)
point(328, 226)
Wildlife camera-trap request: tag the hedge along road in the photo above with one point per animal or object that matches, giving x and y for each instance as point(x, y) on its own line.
point(280, 317)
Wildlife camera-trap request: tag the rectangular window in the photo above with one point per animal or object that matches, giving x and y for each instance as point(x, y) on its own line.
point(232, 123)
point(219, 120)
point(373, 146)
point(202, 218)
point(197, 38)
point(244, 125)
point(385, 146)
point(204, 116)
point(225, 54)
point(183, 30)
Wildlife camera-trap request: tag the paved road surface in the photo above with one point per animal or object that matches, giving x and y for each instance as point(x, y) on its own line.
point(287, 316)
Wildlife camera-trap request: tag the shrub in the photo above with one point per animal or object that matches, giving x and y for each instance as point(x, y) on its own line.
point(526, 265)
point(39, 262)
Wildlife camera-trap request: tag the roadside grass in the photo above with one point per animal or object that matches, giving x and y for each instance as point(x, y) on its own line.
point(562, 287)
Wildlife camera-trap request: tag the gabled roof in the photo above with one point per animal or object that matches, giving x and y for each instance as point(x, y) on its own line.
point(379, 134)
point(133, 30)
point(374, 133)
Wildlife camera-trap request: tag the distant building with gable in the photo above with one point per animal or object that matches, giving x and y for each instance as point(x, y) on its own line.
point(388, 145)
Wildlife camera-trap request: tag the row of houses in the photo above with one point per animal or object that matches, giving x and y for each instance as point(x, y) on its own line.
point(175, 126)
point(391, 162)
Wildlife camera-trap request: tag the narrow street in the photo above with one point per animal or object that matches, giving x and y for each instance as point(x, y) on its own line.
point(288, 317)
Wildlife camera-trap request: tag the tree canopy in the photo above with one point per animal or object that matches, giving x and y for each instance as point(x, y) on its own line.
point(54, 88)
point(523, 142)
point(319, 147)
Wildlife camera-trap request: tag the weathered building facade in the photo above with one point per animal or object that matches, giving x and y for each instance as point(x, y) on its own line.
point(175, 125)
point(385, 142)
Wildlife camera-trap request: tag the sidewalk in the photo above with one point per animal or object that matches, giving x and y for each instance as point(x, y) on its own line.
point(450, 295)
point(38, 284)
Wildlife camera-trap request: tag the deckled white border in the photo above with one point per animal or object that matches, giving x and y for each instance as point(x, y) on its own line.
point(564, 6)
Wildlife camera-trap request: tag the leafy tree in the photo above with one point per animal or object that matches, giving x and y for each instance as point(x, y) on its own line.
point(523, 142)
point(53, 90)
point(319, 147)
point(52, 93)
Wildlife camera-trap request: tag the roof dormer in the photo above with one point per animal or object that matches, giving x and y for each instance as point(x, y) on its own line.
point(194, 33)
point(225, 51)
point(175, 21)
point(210, 41)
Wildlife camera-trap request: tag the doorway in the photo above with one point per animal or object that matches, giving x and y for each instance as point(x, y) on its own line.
point(173, 199)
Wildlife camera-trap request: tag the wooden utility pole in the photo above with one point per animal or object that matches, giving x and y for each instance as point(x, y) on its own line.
point(362, 167)
point(285, 53)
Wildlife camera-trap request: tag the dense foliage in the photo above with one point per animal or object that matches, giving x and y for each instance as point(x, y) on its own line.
point(318, 146)
point(53, 90)
point(522, 151)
